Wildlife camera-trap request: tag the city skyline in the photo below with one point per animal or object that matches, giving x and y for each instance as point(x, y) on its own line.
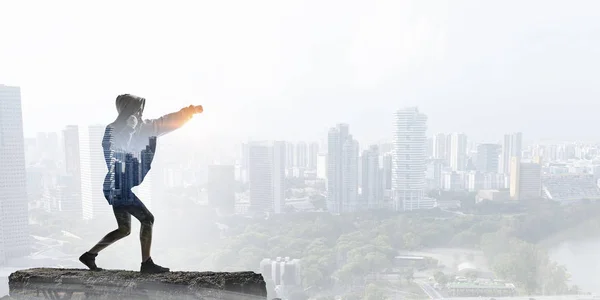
point(410, 172)
point(345, 149)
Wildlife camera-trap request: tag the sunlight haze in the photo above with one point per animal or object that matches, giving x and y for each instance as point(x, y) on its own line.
point(258, 63)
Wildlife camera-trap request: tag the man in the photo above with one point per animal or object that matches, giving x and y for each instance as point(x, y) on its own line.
point(129, 145)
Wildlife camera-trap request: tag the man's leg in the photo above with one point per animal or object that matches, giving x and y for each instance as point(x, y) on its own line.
point(140, 212)
point(124, 229)
point(146, 218)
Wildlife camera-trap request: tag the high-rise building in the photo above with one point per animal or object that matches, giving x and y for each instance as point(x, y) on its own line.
point(71, 149)
point(487, 158)
point(281, 271)
point(2, 254)
point(458, 152)
point(342, 170)
point(371, 185)
point(221, 188)
point(475, 181)
point(525, 180)
point(439, 146)
point(70, 190)
point(313, 152)
point(448, 156)
point(386, 166)
point(244, 163)
point(93, 170)
point(429, 148)
point(408, 160)
point(267, 162)
point(289, 156)
point(511, 147)
point(301, 155)
point(434, 173)
point(14, 220)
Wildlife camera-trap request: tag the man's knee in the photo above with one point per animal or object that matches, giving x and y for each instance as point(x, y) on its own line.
point(148, 220)
point(124, 231)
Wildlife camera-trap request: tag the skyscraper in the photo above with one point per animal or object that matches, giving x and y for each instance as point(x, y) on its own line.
point(244, 163)
point(429, 148)
point(289, 155)
point(71, 149)
point(301, 155)
point(72, 188)
point(14, 220)
point(313, 153)
point(93, 169)
point(342, 170)
point(525, 180)
point(408, 160)
point(371, 183)
point(221, 188)
point(439, 146)
point(267, 162)
point(386, 168)
point(487, 158)
point(511, 147)
point(458, 151)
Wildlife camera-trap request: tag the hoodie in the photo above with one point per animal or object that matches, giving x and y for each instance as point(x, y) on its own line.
point(129, 147)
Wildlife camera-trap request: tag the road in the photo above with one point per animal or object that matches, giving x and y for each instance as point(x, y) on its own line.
point(429, 290)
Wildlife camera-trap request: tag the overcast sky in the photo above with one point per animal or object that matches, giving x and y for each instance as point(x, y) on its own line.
point(291, 69)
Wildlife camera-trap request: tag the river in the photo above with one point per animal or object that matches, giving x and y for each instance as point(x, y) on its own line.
point(582, 259)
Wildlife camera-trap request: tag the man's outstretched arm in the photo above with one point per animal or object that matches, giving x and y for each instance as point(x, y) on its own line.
point(172, 121)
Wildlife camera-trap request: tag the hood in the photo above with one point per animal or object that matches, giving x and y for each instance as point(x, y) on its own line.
point(128, 105)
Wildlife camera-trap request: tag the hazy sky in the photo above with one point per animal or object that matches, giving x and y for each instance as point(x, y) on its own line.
point(291, 69)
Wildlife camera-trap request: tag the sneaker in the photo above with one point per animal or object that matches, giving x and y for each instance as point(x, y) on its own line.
point(89, 260)
point(150, 267)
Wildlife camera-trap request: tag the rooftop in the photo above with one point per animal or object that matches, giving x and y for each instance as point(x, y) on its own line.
point(68, 283)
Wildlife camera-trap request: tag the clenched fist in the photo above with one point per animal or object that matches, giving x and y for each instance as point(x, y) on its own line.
point(192, 110)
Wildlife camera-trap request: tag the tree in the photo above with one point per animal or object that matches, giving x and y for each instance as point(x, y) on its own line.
point(411, 241)
point(440, 278)
point(373, 292)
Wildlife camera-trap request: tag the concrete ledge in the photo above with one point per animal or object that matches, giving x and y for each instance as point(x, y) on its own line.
point(45, 283)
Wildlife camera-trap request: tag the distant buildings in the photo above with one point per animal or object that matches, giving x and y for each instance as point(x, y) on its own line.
point(439, 146)
point(372, 175)
point(570, 188)
point(525, 180)
point(72, 169)
point(511, 147)
point(221, 188)
point(14, 220)
point(342, 170)
point(322, 166)
point(313, 153)
point(409, 161)
point(289, 158)
point(301, 154)
point(386, 177)
point(266, 172)
point(282, 272)
point(47, 145)
point(487, 158)
point(458, 151)
point(93, 169)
